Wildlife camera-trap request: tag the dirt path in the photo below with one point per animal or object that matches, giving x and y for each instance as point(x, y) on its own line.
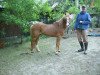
point(17, 60)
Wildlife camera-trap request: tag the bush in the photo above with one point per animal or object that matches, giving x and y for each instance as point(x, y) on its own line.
point(73, 10)
point(94, 22)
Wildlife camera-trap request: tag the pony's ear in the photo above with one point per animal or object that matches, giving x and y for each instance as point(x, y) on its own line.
point(64, 19)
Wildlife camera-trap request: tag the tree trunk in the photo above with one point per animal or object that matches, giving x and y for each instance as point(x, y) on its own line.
point(77, 3)
point(92, 3)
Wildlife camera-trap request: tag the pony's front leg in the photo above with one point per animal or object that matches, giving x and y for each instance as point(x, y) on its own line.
point(58, 44)
point(37, 48)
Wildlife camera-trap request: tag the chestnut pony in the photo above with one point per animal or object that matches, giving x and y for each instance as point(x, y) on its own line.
point(54, 30)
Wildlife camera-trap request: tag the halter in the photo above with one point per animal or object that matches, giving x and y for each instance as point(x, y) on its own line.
point(68, 21)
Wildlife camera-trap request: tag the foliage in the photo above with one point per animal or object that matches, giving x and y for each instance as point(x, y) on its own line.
point(73, 10)
point(21, 12)
point(94, 22)
point(97, 6)
point(81, 1)
point(17, 12)
point(61, 8)
point(55, 16)
point(90, 10)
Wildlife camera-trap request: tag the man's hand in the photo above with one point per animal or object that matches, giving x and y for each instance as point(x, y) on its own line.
point(81, 21)
point(75, 31)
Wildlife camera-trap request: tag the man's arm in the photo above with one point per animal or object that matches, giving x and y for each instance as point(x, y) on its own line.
point(88, 20)
point(76, 22)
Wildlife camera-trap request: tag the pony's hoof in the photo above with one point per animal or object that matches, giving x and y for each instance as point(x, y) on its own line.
point(32, 51)
point(38, 50)
point(56, 52)
point(59, 51)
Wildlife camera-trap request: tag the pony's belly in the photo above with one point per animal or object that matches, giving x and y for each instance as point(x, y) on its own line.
point(50, 33)
point(52, 30)
point(49, 30)
point(53, 33)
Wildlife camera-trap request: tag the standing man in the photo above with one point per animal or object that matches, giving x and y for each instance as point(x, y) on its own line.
point(81, 25)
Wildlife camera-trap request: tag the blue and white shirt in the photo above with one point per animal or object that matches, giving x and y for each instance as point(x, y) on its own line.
point(85, 17)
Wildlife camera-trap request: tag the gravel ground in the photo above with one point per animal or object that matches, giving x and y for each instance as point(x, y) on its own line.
point(18, 61)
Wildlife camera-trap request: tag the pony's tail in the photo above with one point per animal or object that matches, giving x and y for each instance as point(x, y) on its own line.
point(31, 35)
point(31, 32)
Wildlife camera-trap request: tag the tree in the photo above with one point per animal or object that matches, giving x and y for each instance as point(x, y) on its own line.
point(97, 6)
point(19, 12)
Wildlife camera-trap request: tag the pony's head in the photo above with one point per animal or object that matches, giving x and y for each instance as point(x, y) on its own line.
point(64, 21)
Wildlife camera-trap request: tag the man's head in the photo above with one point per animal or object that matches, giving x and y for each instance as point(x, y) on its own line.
point(83, 8)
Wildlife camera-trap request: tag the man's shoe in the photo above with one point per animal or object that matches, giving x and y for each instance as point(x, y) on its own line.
point(80, 50)
point(85, 53)
point(86, 46)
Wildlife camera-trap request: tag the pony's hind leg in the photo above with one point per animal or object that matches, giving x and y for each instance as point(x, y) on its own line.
point(33, 44)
